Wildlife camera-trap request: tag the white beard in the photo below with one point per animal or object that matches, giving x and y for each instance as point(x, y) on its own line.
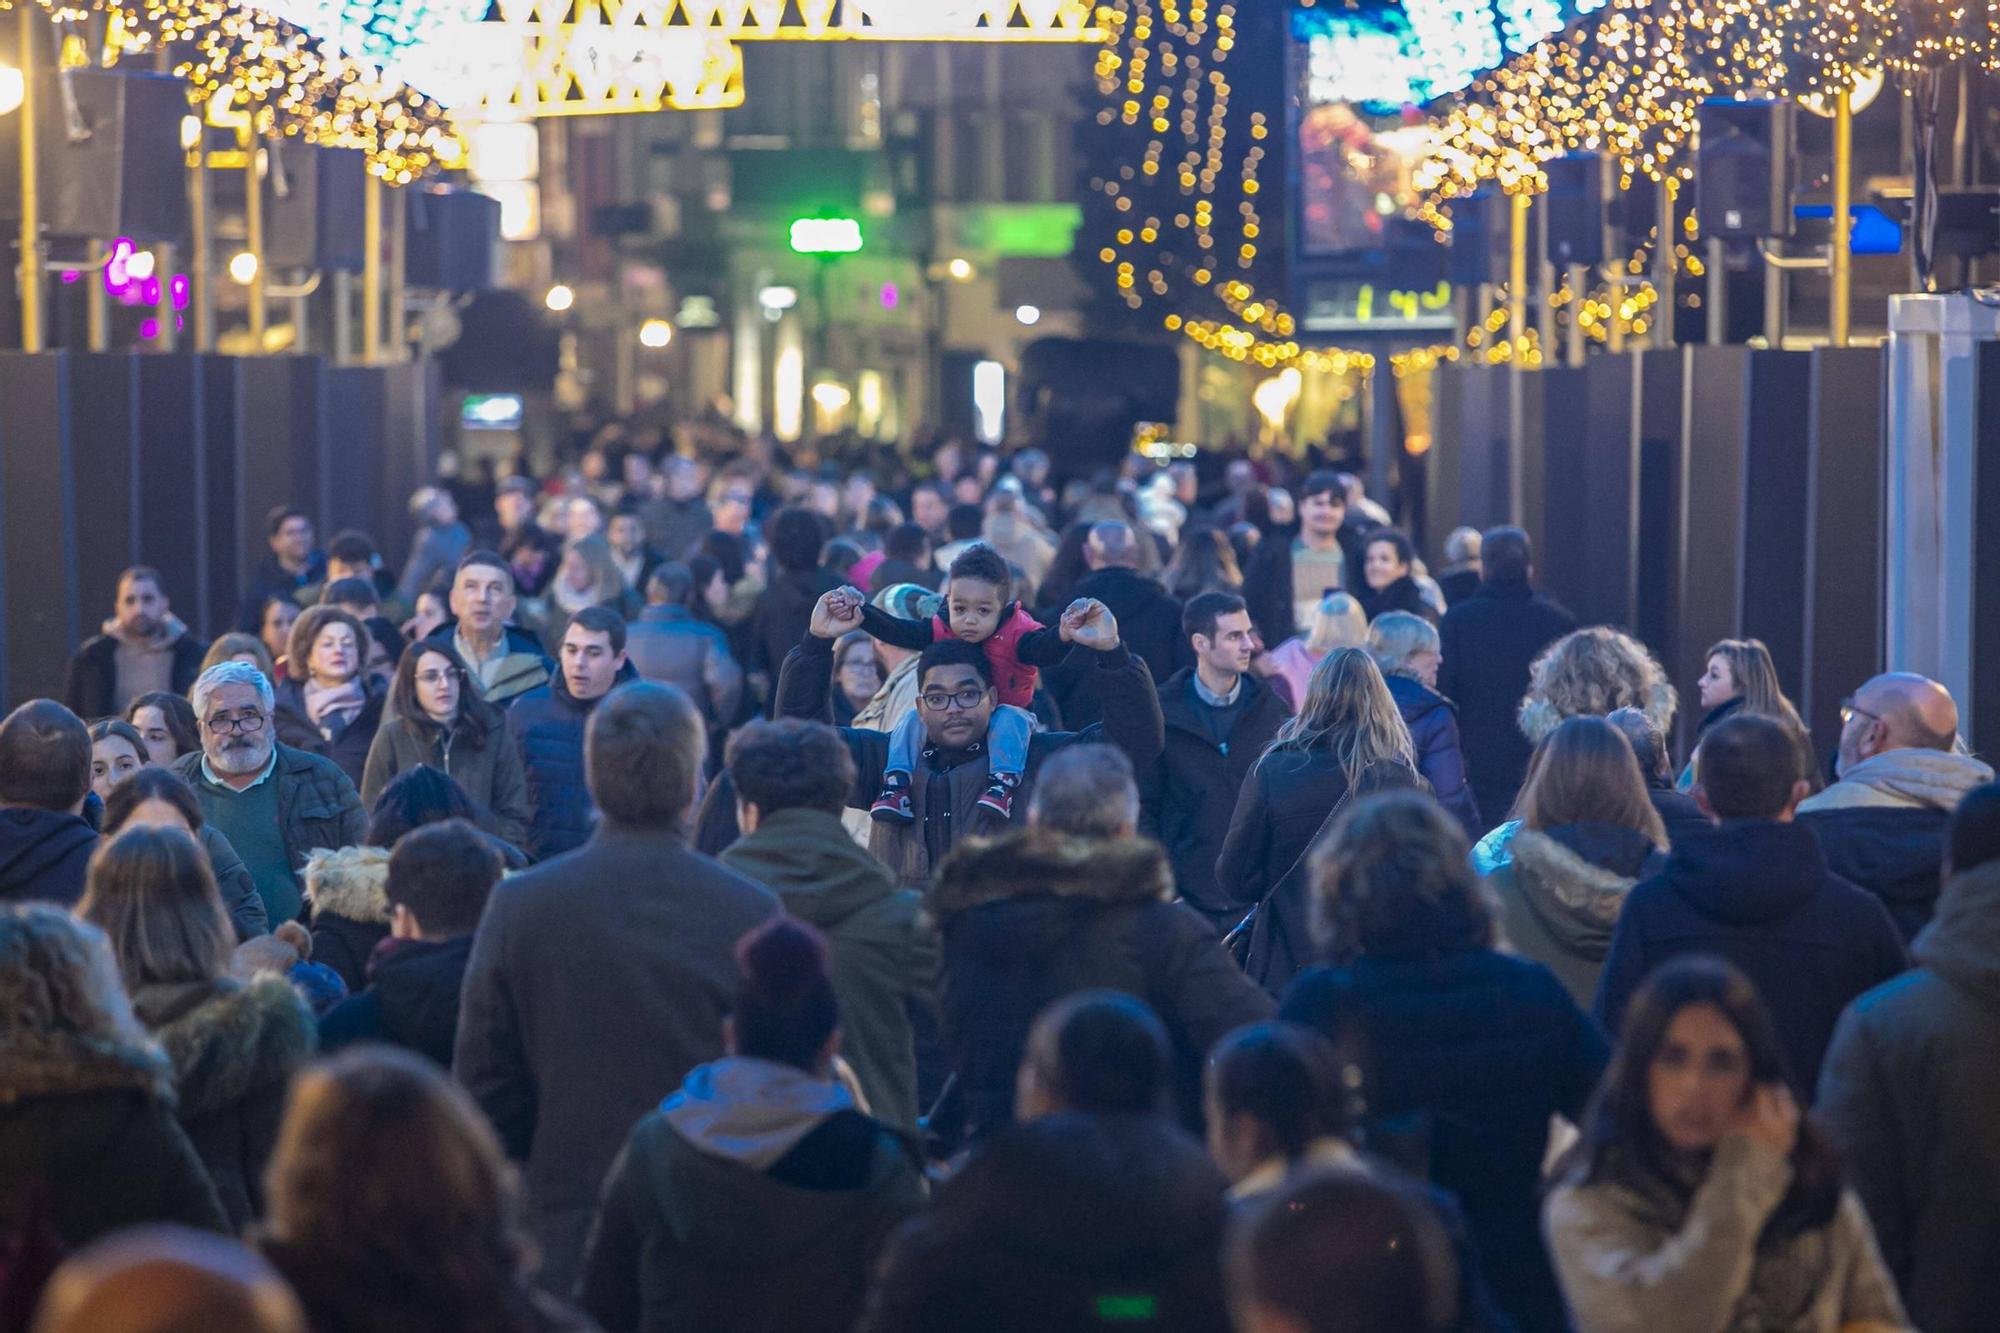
point(237, 762)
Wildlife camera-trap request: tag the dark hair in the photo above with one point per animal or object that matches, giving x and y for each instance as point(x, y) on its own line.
point(492, 559)
point(1204, 611)
point(727, 550)
point(1285, 1077)
point(141, 574)
point(980, 561)
point(1347, 1252)
point(1322, 482)
point(176, 712)
point(670, 584)
point(936, 488)
point(1392, 880)
point(351, 548)
point(1973, 836)
point(1406, 551)
point(1619, 1140)
point(357, 590)
point(444, 873)
point(151, 783)
point(954, 652)
point(281, 515)
point(1505, 555)
point(642, 755)
point(477, 719)
point(964, 523)
point(785, 1009)
point(841, 556)
point(45, 756)
point(383, 630)
point(1746, 767)
point(599, 620)
point(906, 541)
point(416, 797)
point(791, 765)
point(1101, 1051)
point(794, 537)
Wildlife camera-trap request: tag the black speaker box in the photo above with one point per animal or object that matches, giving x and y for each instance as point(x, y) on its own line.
point(315, 221)
point(1478, 250)
point(113, 168)
point(1744, 169)
point(1576, 210)
point(453, 240)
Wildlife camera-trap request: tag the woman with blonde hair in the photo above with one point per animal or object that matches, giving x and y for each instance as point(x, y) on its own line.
point(1588, 834)
point(1347, 740)
point(1592, 673)
point(1338, 623)
point(1741, 678)
point(362, 1247)
point(1407, 649)
point(249, 648)
point(328, 704)
point(88, 1137)
point(233, 1047)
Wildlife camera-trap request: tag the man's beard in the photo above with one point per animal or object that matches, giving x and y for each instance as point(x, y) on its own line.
point(145, 627)
point(242, 758)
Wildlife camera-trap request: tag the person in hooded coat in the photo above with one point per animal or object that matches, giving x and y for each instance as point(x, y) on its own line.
point(348, 908)
point(791, 780)
point(234, 1047)
point(1677, 810)
point(1756, 891)
point(758, 1196)
point(1882, 825)
point(1588, 835)
point(1909, 1088)
point(45, 842)
point(785, 607)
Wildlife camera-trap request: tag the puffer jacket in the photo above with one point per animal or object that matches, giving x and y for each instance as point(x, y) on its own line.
point(234, 1050)
point(1882, 825)
point(1560, 893)
point(1033, 916)
point(44, 855)
point(1908, 1093)
point(348, 900)
point(547, 724)
point(1433, 724)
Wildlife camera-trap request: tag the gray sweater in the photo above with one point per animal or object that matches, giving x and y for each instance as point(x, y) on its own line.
point(1636, 1261)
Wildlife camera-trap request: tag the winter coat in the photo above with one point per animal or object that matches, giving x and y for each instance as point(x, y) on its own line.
point(91, 689)
point(89, 1142)
point(547, 724)
point(948, 786)
point(1489, 642)
point(782, 615)
point(667, 644)
point(1467, 1055)
point(347, 898)
point(1267, 582)
point(1677, 810)
point(1405, 594)
point(1149, 620)
point(434, 557)
point(1071, 1223)
point(377, 1291)
point(411, 1000)
point(524, 666)
point(756, 1199)
point(1657, 1258)
point(1433, 724)
point(1757, 893)
point(1284, 804)
point(884, 955)
point(1908, 1093)
point(1018, 649)
point(597, 981)
point(1882, 825)
point(271, 579)
point(1560, 893)
point(349, 746)
point(491, 774)
point(674, 526)
point(1190, 794)
point(317, 805)
point(44, 855)
point(234, 1050)
point(1034, 916)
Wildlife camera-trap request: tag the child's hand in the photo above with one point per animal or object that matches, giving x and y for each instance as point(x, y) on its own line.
point(1089, 622)
point(834, 615)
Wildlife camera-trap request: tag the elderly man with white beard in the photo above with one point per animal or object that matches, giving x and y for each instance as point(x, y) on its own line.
point(272, 802)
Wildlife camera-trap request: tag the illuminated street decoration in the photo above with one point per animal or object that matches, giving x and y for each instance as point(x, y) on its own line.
point(514, 70)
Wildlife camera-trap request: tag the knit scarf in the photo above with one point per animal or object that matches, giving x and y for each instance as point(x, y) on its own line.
point(331, 708)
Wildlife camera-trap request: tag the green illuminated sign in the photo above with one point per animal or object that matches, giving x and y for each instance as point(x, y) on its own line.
point(826, 236)
point(1135, 1308)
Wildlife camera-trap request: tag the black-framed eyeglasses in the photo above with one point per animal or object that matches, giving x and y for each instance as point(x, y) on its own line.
point(1849, 711)
point(964, 700)
point(248, 724)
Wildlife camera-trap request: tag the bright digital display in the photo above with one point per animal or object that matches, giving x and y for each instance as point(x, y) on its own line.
point(1384, 54)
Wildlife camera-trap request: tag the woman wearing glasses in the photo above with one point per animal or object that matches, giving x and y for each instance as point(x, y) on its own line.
point(434, 719)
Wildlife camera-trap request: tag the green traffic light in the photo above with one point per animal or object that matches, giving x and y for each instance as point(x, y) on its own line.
point(826, 236)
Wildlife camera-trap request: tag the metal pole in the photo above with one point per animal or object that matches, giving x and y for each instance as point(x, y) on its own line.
point(253, 221)
point(164, 312)
point(1666, 262)
point(201, 260)
point(398, 234)
point(1517, 274)
point(371, 271)
point(343, 318)
point(1579, 292)
point(1777, 292)
point(1517, 378)
point(1843, 218)
point(31, 198)
point(1718, 292)
point(96, 301)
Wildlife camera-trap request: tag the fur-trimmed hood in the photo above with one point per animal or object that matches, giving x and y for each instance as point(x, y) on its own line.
point(65, 1064)
point(1594, 672)
point(1036, 862)
point(1576, 899)
point(228, 1040)
point(352, 882)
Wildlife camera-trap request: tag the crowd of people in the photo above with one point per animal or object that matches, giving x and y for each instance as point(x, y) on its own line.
point(722, 893)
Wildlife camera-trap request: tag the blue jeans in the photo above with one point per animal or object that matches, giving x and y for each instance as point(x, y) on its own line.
point(1006, 745)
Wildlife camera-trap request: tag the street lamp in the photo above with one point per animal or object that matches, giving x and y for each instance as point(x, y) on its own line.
point(1028, 316)
point(655, 333)
point(243, 268)
point(560, 298)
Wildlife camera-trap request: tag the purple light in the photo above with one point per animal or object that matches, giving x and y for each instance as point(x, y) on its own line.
point(117, 279)
point(149, 329)
point(71, 277)
point(180, 290)
point(149, 292)
point(892, 296)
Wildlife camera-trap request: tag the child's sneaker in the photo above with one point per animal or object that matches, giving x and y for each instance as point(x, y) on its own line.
point(999, 797)
point(893, 805)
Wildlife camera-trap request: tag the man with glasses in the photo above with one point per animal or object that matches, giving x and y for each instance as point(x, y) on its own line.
point(955, 700)
point(272, 802)
point(1901, 775)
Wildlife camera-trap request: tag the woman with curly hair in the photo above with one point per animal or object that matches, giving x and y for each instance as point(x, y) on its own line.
point(1592, 673)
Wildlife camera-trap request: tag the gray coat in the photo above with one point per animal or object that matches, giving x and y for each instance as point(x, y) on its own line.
point(491, 775)
point(668, 645)
point(598, 979)
point(1910, 1091)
